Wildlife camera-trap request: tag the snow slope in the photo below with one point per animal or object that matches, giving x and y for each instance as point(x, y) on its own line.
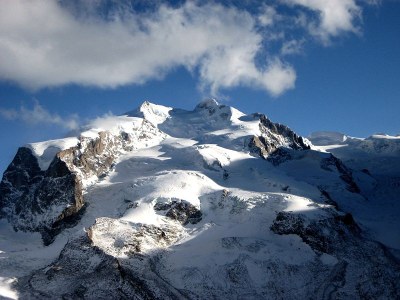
point(209, 203)
point(376, 162)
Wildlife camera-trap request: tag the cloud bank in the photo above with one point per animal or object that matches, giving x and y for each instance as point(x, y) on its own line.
point(39, 115)
point(43, 43)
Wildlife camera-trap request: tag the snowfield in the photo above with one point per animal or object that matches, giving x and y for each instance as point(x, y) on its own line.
point(209, 203)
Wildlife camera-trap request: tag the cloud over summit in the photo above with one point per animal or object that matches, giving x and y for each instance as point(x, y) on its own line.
point(44, 44)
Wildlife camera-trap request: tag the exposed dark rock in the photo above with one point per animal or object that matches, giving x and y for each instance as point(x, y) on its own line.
point(225, 175)
point(279, 156)
point(295, 141)
point(260, 146)
point(346, 174)
point(273, 137)
point(328, 198)
point(85, 271)
point(209, 105)
point(287, 223)
point(335, 280)
point(324, 235)
point(181, 211)
point(67, 220)
point(285, 188)
point(94, 156)
point(349, 221)
point(47, 201)
point(76, 275)
point(359, 258)
point(366, 171)
point(162, 206)
point(27, 193)
point(18, 179)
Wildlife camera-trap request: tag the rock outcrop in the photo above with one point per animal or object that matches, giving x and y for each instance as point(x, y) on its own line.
point(345, 173)
point(47, 201)
point(181, 211)
point(36, 200)
point(273, 137)
point(358, 258)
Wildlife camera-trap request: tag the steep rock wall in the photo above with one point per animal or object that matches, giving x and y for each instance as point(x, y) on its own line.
point(47, 201)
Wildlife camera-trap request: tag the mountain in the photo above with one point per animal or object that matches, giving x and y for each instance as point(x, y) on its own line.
point(376, 161)
point(164, 203)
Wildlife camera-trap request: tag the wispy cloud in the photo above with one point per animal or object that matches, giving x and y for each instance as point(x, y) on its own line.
point(39, 115)
point(334, 17)
point(45, 43)
point(292, 47)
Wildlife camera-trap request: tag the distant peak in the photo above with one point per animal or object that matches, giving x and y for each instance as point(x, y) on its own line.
point(323, 138)
point(207, 103)
point(211, 108)
point(146, 105)
point(154, 113)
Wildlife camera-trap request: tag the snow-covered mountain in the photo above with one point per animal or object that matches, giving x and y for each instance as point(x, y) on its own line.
point(164, 203)
point(376, 162)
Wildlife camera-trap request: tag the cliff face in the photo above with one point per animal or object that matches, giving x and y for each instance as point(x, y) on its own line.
point(274, 136)
point(47, 201)
point(36, 200)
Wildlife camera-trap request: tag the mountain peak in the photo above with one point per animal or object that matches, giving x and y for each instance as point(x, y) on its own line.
point(153, 113)
point(207, 104)
point(211, 107)
point(146, 105)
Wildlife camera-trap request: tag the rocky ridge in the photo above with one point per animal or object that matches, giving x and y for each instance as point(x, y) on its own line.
point(48, 200)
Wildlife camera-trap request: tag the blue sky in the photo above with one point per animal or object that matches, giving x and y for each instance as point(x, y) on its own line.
point(310, 64)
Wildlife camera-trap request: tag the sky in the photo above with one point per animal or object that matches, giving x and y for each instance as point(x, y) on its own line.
point(310, 64)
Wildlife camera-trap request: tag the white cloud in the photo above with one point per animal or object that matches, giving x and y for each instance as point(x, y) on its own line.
point(235, 67)
point(291, 47)
point(39, 115)
point(46, 43)
point(268, 16)
point(335, 16)
point(279, 76)
point(42, 44)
